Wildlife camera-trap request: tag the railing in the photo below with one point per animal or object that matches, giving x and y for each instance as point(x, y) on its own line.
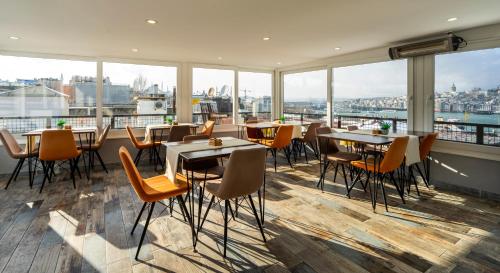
point(476, 133)
point(304, 117)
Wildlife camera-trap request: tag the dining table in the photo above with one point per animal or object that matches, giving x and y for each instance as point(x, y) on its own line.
point(268, 128)
point(190, 152)
point(377, 141)
point(88, 139)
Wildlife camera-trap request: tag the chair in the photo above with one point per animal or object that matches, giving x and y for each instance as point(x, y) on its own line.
point(330, 152)
point(244, 175)
point(282, 140)
point(58, 145)
point(309, 139)
point(94, 148)
point(178, 132)
point(392, 160)
point(254, 134)
point(16, 152)
point(143, 145)
point(252, 119)
point(152, 190)
point(206, 169)
point(425, 150)
point(208, 128)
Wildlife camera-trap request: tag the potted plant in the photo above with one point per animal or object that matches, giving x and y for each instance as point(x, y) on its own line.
point(282, 119)
point(168, 120)
point(60, 124)
point(384, 127)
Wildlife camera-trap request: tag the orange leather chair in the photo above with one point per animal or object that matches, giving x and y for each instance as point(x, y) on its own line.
point(58, 145)
point(392, 160)
point(208, 128)
point(425, 150)
point(16, 152)
point(143, 145)
point(282, 140)
point(152, 190)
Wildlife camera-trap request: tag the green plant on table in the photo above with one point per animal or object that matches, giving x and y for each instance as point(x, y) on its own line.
point(61, 123)
point(169, 120)
point(385, 126)
point(282, 119)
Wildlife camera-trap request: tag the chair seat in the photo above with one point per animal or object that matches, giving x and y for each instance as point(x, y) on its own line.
point(213, 187)
point(369, 166)
point(146, 145)
point(343, 157)
point(24, 154)
point(57, 157)
point(160, 187)
point(256, 140)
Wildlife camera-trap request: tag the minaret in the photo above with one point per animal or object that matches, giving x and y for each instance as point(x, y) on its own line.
point(453, 88)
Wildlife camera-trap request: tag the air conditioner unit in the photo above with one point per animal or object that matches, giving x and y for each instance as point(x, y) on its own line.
point(433, 46)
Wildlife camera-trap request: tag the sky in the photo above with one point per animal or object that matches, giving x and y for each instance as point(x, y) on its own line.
point(467, 70)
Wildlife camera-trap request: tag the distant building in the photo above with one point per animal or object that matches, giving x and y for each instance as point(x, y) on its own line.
point(33, 100)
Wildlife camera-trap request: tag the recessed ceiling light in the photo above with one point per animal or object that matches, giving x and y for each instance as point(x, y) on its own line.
point(266, 38)
point(151, 21)
point(135, 50)
point(219, 58)
point(278, 63)
point(14, 38)
point(452, 19)
point(337, 48)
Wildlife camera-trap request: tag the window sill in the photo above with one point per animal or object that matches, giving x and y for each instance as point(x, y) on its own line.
point(467, 149)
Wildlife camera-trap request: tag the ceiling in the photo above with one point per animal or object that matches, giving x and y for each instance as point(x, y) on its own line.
point(229, 31)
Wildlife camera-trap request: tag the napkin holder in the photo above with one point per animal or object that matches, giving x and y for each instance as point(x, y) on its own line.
point(376, 132)
point(215, 142)
point(67, 127)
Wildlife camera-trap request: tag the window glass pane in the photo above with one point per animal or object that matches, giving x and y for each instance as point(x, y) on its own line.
point(138, 95)
point(467, 90)
point(305, 95)
point(376, 92)
point(37, 93)
point(255, 91)
point(213, 95)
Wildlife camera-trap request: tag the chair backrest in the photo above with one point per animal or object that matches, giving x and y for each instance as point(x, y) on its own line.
point(352, 127)
point(326, 145)
point(133, 174)
point(208, 128)
point(10, 143)
point(255, 133)
point(195, 137)
point(310, 135)
point(134, 140)
point(283, 137)
point(244, 173)
point(395, 155)
point(426, 145)
point(252, 119)
point(57, 145)
point(103, 136)
point(178, 132)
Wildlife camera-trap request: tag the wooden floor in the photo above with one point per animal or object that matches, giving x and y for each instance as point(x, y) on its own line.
point(88, 230)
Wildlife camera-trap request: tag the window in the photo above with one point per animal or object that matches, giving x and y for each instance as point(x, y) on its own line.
point(467, 96)
point(213, 95)
point(255, 91)
point(305, 95)
point(374, 91)
point(36, 93)
point(137, 95)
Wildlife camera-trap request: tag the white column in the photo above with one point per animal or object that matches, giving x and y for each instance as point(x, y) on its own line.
point(329, 96)
point(184, 93)
point(99, 95)
point(236, 106)
point(420, 94)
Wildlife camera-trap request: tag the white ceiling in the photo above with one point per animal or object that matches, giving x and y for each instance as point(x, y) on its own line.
point(203, 30)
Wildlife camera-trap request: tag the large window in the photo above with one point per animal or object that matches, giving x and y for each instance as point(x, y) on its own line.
point(374, 92)
point(255, 92)
point(305, 95)
point(467, 96)
point(137, 95)
point(37, 93)
point(213, 95)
